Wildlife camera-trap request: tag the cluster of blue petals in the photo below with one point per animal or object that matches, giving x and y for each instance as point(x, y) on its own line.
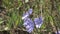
point(38, 22)
point(29, 24)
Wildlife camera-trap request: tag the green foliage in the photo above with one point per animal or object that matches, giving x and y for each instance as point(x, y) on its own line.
point(49, 12)
point(1, 21)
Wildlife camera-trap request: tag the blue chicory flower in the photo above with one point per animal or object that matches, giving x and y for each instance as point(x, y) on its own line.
point(38, 22)
point(28, 24)
point(25, 15)
point(29, 12)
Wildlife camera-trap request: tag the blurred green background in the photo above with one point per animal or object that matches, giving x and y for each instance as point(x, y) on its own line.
point(12, 11)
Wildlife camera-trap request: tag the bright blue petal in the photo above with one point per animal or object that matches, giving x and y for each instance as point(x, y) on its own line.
point(41, 19)
point(28, 24)
point(25, 15)
point(30, 29)
point(38, 22)
point(30, 11)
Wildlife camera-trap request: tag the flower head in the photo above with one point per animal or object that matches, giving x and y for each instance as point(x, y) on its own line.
point(25, 15)
point(28, 24)
point(38, 22)
point(29, 12)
